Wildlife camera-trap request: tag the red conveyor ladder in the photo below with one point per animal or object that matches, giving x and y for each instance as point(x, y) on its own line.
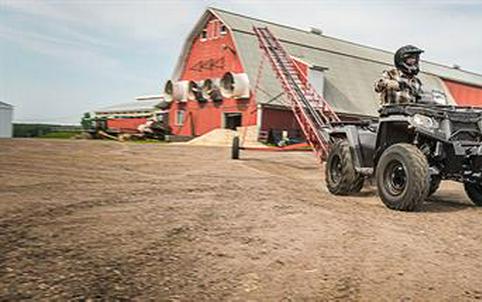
point(311, 110)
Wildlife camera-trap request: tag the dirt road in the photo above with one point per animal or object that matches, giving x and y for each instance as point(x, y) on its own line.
point(84, 220)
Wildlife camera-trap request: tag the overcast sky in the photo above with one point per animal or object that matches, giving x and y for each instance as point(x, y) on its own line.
point(59, 59)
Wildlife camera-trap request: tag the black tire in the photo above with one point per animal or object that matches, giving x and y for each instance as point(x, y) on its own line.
point(235, 148)
point(340, 174)
point(402, 176)
point(434, 185)
point(358, 186)
point(474, 192)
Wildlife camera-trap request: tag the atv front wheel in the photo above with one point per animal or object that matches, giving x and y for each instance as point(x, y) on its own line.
point(340, 174)
point(402, 177)
point(474, 191)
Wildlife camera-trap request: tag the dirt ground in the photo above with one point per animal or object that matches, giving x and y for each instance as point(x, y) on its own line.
point(98, 220)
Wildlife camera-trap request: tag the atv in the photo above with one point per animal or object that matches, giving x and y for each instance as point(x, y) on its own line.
point(409, 150)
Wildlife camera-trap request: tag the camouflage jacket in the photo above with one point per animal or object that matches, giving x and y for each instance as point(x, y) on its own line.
point(396, 88)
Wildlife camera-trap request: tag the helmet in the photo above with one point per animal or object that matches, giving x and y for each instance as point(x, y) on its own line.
point(401, 56)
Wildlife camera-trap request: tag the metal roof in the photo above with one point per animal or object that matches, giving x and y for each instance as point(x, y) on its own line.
point(348, 82)
point(150, 97)
point(352, 68)
point(306, 39)
point(129, 107)
point(4, 105)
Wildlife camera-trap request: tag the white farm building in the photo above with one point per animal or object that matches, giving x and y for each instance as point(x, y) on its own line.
point(6, 116)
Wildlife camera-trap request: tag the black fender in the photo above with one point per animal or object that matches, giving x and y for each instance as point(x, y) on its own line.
point(350, 134)
point(392, 131)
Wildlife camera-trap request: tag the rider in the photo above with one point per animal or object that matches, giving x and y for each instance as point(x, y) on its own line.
point(400, 85)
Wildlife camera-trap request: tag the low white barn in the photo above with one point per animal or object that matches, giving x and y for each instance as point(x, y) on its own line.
point(6, 116)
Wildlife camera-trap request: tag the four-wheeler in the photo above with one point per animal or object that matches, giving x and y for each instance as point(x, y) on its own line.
point(409, 150)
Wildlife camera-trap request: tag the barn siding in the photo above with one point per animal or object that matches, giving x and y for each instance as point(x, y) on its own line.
point(210, 59)
point(125, 124)
point(464, 94)
point(6, 128)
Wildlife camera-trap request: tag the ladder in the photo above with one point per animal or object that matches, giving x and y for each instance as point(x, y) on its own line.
point(311, 110)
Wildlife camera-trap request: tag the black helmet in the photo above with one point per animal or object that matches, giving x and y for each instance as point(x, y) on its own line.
point(400, 59)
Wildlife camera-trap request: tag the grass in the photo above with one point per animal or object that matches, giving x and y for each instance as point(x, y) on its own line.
point(60, 134)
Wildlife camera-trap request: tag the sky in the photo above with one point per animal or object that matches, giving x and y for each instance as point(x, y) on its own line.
point(59, 59)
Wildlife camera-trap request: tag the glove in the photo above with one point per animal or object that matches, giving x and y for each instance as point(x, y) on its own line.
point(393, 85)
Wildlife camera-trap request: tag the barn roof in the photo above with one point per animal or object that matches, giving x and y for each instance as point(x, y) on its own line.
point(130, 107)
point(4, 105)
point(352, 68)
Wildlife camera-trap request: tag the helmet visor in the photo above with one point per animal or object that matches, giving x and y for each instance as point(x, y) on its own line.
point(411, 59)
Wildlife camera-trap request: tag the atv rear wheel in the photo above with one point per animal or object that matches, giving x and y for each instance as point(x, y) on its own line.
point(340, 174)
point(474, 191)
point(358, 186)
point(402, 177)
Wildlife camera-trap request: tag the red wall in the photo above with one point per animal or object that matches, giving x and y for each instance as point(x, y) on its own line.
point(210, 59)
point(465, 94)
point(126, 124)
point(278, 119)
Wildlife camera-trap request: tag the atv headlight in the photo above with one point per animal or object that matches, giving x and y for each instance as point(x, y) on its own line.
point(424, 121)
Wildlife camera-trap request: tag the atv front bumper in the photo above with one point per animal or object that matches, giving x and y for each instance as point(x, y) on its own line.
point(460, 161)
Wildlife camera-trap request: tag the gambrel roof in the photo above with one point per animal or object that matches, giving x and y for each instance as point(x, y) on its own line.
point(351, 72)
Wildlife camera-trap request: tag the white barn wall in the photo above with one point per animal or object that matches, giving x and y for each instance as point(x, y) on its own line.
point(6, 116)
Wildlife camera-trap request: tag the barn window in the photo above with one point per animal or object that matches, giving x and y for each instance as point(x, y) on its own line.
point(204, 35)
point(215, 29)
point(180, 118)
point(224, 30)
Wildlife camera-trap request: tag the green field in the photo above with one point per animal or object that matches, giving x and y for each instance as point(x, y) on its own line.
point(60, 134)
point(45, 130)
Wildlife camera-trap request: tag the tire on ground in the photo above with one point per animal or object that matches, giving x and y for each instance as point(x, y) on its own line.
point(434, 184)
point(358, 186)
point(235, 148)
point(340, 174)
point(474, 192)
point(402, 177)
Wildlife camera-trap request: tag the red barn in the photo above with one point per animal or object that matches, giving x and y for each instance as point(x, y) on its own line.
point(127, 117)
point(213, 85)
